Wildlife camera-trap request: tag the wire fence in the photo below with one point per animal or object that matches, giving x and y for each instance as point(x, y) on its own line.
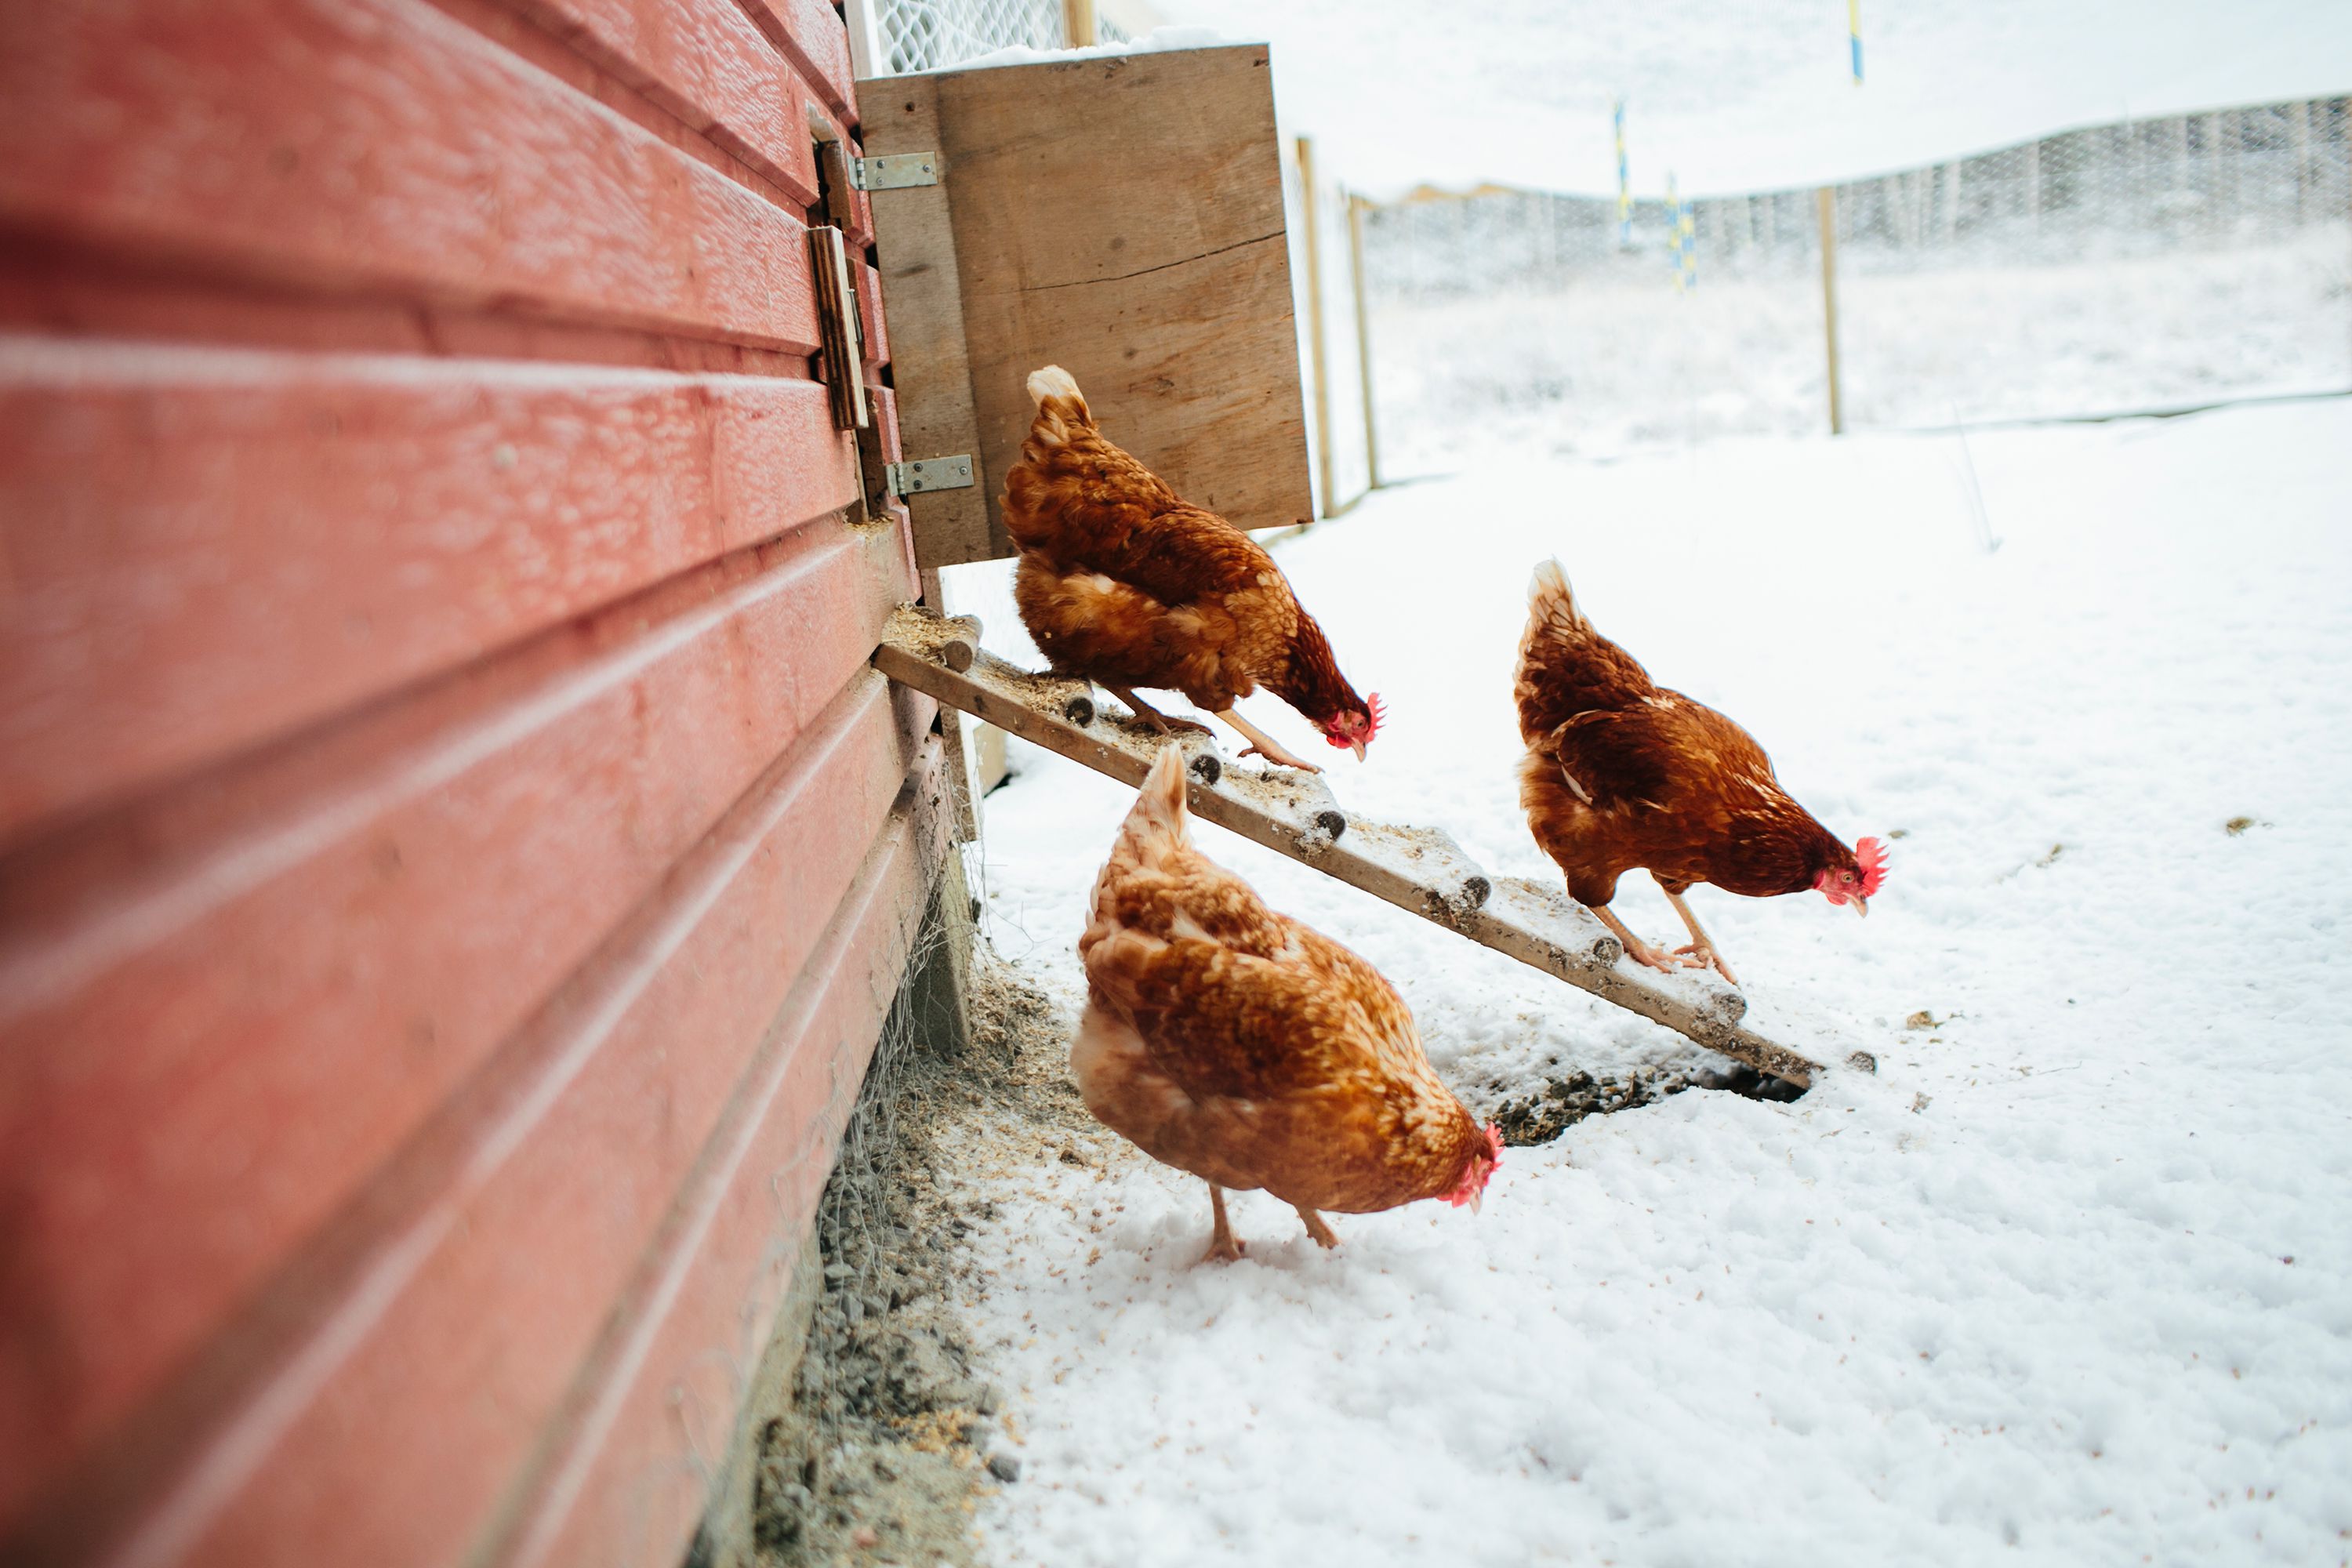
point(2120, 269)
point(924, 35)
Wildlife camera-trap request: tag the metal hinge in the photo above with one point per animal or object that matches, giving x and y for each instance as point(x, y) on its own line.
point(951, 473)
point(895, 172)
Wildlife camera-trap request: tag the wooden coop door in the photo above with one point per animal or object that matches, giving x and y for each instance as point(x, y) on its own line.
point(1121, 217)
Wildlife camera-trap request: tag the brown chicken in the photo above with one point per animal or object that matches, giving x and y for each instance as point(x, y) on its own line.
point(1621, 773)
point(1122, 584)
point(1230, 1041)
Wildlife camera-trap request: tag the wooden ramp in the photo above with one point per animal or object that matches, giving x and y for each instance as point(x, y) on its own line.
point(1416, 869)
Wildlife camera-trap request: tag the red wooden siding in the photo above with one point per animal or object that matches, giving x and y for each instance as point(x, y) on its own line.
point(454, 855)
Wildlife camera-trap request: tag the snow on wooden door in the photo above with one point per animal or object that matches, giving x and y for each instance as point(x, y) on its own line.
point(454, 853)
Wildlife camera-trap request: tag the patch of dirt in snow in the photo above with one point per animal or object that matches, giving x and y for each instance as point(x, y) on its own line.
point(895, 1433)
point(1562, 1102)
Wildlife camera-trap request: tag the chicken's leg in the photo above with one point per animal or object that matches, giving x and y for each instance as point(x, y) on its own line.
point(1700, 942)
point(1153, 715)
point(1637, 950)
point(1265, 745)
point(1222, 1247)
point(1322, 1233)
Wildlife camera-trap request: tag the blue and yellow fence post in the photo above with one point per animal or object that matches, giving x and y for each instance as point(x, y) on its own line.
point(1854, 36)
point(1682, 238)
point(1625, 187)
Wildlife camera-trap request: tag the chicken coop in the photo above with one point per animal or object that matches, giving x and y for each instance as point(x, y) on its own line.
point(457, 853)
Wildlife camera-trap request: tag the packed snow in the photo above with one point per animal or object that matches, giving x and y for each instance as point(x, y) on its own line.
point(1753, 94)
point(2067, 1279)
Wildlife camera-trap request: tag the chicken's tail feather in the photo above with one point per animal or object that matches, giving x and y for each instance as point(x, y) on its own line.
point(1552, 602)
point(1159, 805)
point(1566, 667)
point(1060, 405)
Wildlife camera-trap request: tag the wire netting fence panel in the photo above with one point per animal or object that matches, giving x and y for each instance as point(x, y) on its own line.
point(2125, 268)
point(1524, 317)
point(924, 35)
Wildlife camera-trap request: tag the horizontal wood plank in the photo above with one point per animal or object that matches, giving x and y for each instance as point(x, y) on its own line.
point(206, 548)
point(83, 291)
point(665, 1393)
point(378, 146)
point(548, 1190)
point(811, 33)
point(220, 1012)
point(705, 62)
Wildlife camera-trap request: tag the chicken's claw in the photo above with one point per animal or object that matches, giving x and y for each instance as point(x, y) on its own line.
point(1707, 958)
point(1281, 758)
point(1641, 953)
point(1224, 1249)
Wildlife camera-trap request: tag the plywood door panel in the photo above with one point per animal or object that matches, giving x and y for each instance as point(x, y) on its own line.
point(923, 290)
point(207, 547)
point(1120, 217)
point(377, 145)
point(543, 1195)
point(204, 1046)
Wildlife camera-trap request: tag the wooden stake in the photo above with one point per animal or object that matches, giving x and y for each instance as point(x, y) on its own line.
point(1826, 200)
point(1319, 352)
point(1421, 870)
point(1078, 23)
point(1356, 209)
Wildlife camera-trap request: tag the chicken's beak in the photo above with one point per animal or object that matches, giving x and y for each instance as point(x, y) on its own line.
point(1360, 749)
point(1861, 906)
point(1477, 1199)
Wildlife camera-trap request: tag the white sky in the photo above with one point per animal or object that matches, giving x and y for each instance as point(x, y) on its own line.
point(1740, 95)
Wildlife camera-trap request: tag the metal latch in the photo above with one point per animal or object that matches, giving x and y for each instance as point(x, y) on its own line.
point(895, 172)
point(953, 473)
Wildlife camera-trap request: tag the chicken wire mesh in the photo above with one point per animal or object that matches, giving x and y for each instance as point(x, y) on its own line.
point(924, 35)
point(2121, 268)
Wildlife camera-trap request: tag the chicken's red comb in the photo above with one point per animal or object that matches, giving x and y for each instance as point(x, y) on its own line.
point(1871, 856)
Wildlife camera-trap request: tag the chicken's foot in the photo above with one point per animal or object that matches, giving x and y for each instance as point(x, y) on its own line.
point(1265, 745)
point(1153, 715)
point(1701, 945)
point(1637, 950)
point(1323, 1234)
point(1222, 1247)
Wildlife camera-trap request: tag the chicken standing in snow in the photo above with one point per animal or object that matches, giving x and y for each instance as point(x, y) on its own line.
point(1621, 773)
point(1122, 584)
point(1230, 1041)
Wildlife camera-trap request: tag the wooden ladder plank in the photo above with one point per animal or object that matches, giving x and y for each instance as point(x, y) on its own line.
point(1416, 869)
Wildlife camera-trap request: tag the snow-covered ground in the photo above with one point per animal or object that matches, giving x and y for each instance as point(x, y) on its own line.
point(2069, 1282)
point(1616, 361)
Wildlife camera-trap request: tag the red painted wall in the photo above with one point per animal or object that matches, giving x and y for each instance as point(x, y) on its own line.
point(454, 855)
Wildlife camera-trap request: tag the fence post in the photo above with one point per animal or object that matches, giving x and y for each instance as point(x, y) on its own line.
point(2299, 125)
point(1826, 200)
point(1318, 350)
point(1356, 205)
point(1078, 23)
